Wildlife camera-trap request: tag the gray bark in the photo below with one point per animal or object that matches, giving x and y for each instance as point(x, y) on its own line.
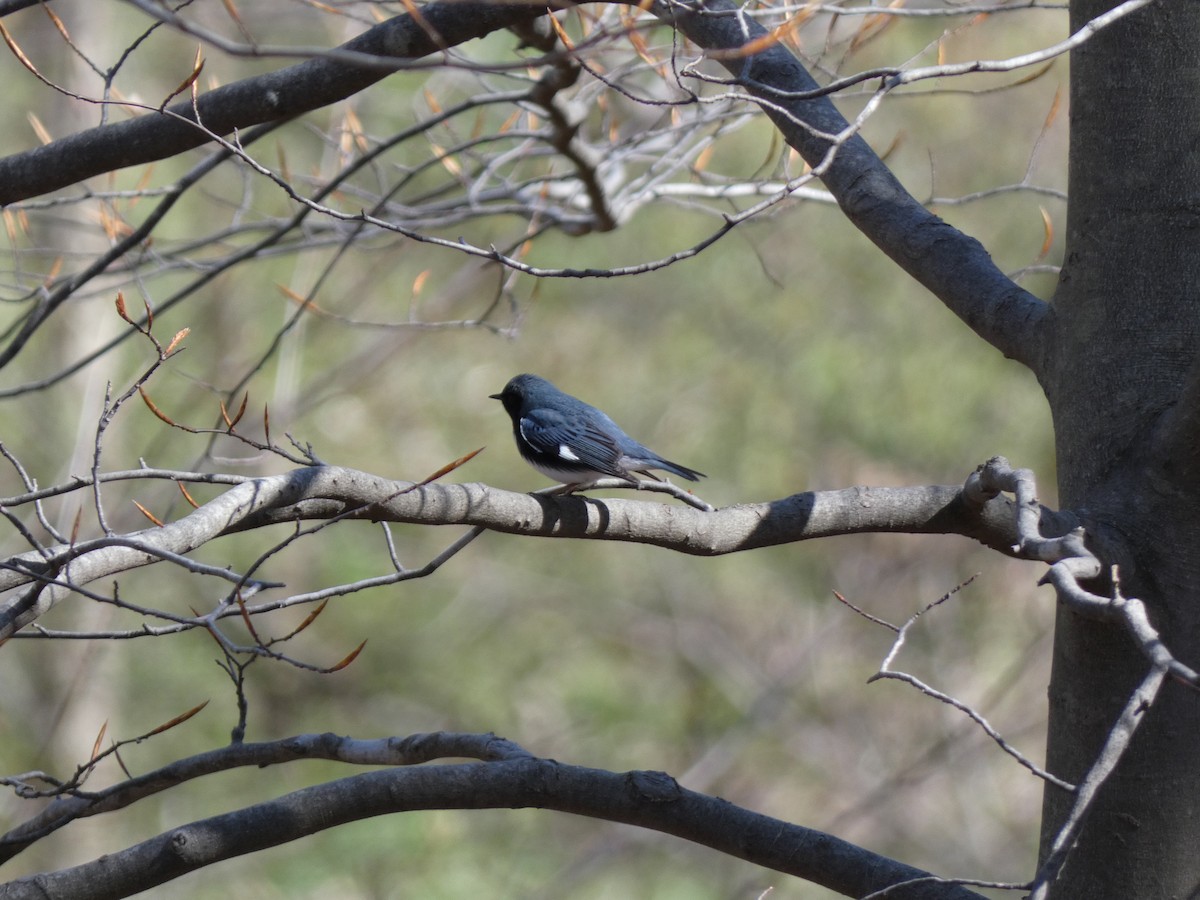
point(1116, 354)
point(1120, 379)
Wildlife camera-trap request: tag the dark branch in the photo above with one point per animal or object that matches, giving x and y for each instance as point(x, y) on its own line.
point(67, 288)
point(650, 800)
point(953, 266)
point(394, 751)
point(282, 94)
point(12, 6)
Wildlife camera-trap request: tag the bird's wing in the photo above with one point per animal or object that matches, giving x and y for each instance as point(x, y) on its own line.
point(574, 441)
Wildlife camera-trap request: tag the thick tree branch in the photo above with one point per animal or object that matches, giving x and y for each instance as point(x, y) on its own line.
point(652, 800)
point(953, 266)
point(413, 750)
point(12, 6)
point(282, 94)
point(925, 509)
point(325, 492)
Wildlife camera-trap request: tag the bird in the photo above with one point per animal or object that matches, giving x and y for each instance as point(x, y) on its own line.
point(572, 442)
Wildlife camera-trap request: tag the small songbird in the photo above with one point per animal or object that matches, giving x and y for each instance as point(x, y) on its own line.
point(569, 441)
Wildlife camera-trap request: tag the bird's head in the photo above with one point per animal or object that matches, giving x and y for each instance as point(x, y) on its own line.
point(522, 391)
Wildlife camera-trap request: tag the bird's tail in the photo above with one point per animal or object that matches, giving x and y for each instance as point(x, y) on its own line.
point(682, 471)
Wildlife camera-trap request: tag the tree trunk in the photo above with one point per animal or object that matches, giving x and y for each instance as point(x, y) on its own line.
point(1123, 394)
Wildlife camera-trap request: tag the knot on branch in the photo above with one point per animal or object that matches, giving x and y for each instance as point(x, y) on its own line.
point(656, 787)
point(1072, 562)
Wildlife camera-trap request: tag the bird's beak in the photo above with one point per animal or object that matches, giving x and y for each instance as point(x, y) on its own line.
point(495, 396)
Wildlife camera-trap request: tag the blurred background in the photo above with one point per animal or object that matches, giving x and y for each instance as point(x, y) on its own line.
point(791, 355)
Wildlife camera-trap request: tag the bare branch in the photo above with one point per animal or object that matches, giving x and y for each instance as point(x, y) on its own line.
point(951, 264)
point(955, 267)
point(275, 96)
point(1072, 563)
point(908, 76)
point(515, 780)
point(325, 492)
point(887, 672)
point(408, 751)
point(1110, 754)
point(67, 288)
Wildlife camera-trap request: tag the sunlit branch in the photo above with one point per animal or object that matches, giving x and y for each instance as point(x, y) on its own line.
point(324, 492)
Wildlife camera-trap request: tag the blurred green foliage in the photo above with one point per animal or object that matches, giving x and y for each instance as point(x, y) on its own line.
point(789, 356)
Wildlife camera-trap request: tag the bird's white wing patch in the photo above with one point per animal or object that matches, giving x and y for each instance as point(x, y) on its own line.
point(544, 440)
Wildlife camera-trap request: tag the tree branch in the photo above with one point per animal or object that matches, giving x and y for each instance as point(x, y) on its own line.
point(1119, 738)
point(12, 6)
point(394, 751)
point(953, 266)
point(282, 94)
point(1072, 563)
point(515, 780)
point(326, 492)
